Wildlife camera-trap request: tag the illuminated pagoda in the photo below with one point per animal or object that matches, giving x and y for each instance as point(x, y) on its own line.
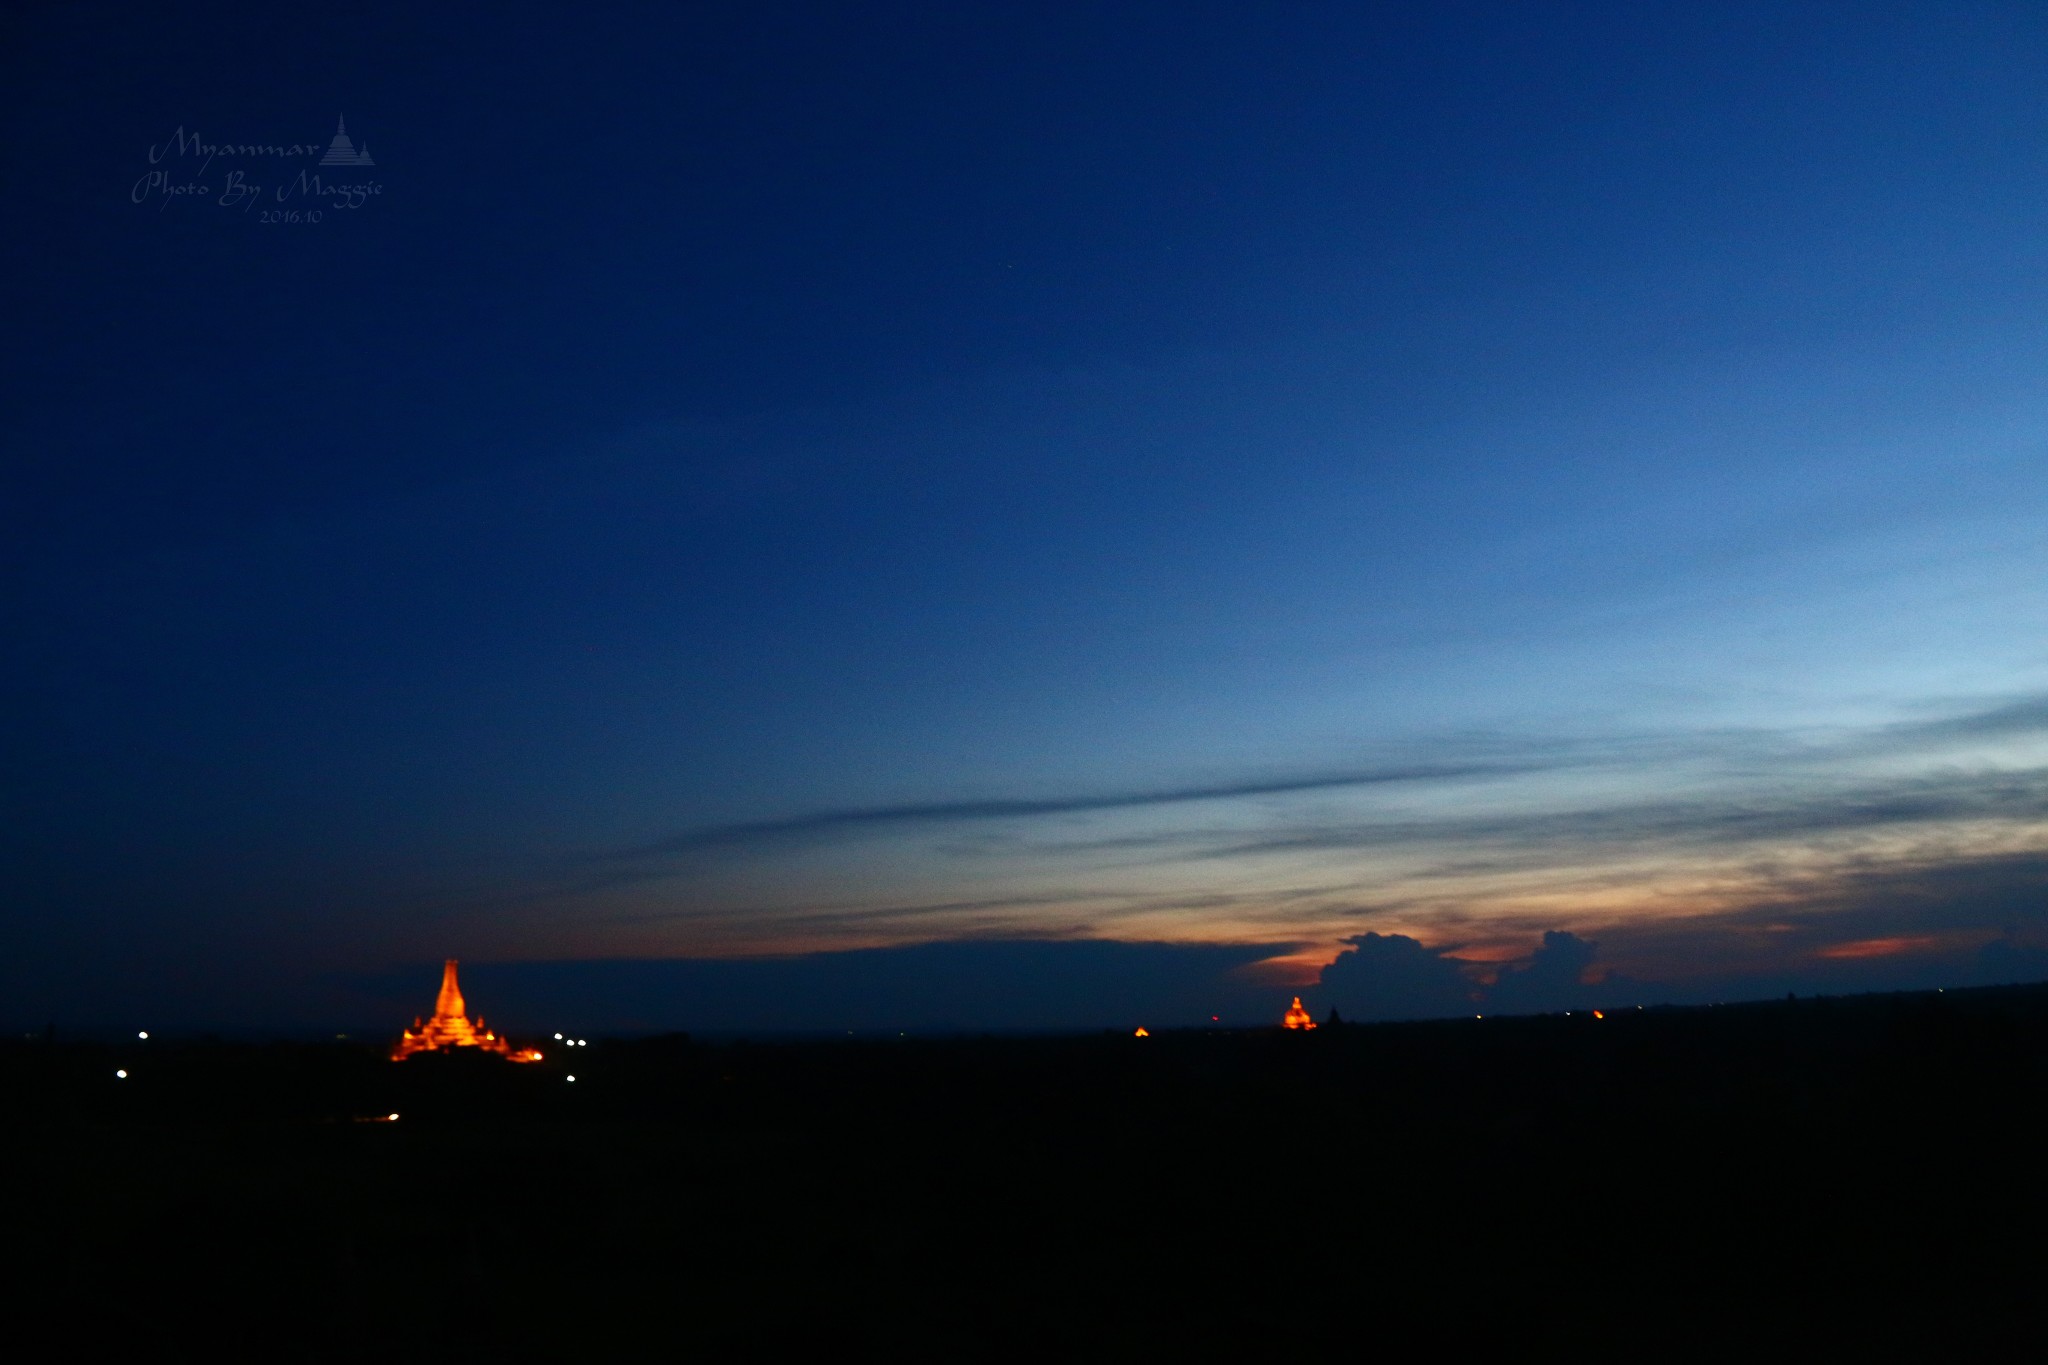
point(450, 1028)
point(1297, 1017)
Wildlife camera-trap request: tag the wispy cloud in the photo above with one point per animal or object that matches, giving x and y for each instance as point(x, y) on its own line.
point(1472, 758)
point(860, 819)
point(2020, 718)
point(1476, 834)
point(1699, 822)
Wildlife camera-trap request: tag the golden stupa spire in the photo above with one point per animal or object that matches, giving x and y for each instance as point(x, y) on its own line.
point(450, 1028)
point(448, 1004)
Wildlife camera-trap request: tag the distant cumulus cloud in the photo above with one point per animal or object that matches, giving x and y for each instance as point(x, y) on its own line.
point(1948, 922)
point(2005, 961)
point(1392, 976)
point(1554, 977)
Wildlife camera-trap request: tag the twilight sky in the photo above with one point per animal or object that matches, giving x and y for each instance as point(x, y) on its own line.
point(1051, 511)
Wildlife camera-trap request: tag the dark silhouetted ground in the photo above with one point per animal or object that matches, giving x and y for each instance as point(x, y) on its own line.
point(1816, 1175)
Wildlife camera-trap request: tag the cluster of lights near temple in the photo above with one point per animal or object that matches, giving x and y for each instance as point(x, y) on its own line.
point(1297, 1017)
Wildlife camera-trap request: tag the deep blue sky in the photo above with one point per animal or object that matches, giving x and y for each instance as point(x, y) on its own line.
point(798, 479)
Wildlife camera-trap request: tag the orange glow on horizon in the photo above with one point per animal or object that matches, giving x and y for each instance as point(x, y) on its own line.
point(1297, 1017)
point(1302, 968)
point(1877, 947)
point(450, 1028)
point(1142, 1032)
point(1493, 953)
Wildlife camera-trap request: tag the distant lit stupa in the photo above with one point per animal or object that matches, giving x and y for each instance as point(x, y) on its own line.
point(450, 1028)
point(1297, 1017)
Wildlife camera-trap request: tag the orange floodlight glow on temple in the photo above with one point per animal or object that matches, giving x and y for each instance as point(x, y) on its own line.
point(1142, 1032)
point(1297, 1017)
point(450, 1028)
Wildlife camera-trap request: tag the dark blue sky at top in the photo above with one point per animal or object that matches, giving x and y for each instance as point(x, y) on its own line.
point(791, 478)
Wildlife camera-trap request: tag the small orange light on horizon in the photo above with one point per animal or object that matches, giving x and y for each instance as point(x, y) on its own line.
point(1599, 1014)
point(1142, 1032)
point(1297, 1017)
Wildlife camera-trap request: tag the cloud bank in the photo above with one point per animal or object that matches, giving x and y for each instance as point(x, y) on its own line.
point(1684, 853)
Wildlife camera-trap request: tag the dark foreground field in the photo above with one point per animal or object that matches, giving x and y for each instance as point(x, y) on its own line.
point(1738, 1181)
